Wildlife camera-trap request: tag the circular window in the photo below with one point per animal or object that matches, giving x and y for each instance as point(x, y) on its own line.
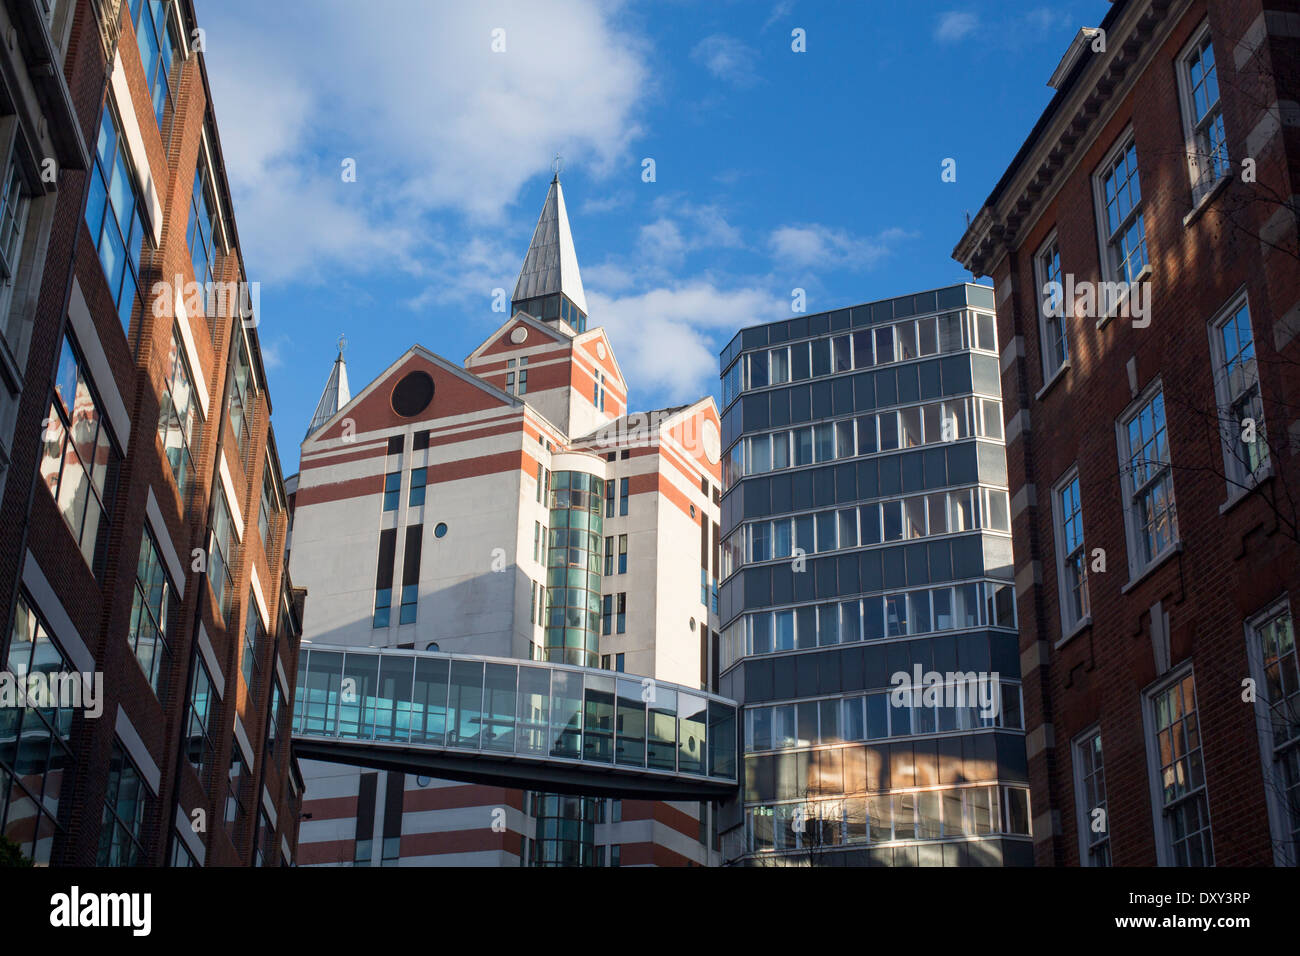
point(423, 781)
point(413, 394)
point(441, 530)
point(692, 624)
point(600, 350)
point(431, 646)
point(519, 335)
point(712, 442)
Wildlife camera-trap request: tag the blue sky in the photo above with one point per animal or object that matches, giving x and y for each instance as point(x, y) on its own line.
point(774, 169)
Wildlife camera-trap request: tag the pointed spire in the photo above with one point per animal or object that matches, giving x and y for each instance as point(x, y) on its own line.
point(336, 394)
point(551, 264)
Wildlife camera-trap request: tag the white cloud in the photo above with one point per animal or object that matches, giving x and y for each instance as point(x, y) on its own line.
point(682, 228)
point(667, 339)
point(727, 59)
point(955, 26)
point(433, 117)
point(815, 245)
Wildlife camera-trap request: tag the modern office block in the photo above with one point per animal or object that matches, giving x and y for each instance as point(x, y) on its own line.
point(866, 541)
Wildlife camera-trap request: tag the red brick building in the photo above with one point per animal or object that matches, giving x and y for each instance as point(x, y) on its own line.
point(143, 565)
point(1143, 245)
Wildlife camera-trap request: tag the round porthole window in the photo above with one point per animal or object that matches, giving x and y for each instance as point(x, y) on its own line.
point(441, 530)
point(431, 646)
point(423, 781)
point(692, 624)
point(413, 394)
point(519, 335)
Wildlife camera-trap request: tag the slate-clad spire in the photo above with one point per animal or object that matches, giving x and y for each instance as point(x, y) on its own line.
point(336, 394)
point(551, 264)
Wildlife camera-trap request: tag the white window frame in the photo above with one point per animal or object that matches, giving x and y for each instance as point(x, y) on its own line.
point(1136, 563)
point(1164, 851)
point(1110, 270)
point(1285, 853)
point(1239, 480)
point(1196, 133)
point(1070, 625)
point(1051, 369)
point(1083, 813)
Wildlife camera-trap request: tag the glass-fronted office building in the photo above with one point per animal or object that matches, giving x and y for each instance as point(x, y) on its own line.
point(867, 600)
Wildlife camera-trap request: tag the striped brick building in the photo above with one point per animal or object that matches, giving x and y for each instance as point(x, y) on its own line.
point(509, 506)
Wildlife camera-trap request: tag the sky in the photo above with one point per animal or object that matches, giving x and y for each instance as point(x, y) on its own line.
point(773, 169)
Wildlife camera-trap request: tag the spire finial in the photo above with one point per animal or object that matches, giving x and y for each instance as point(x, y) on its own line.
point(343, 343)
point(557, 166)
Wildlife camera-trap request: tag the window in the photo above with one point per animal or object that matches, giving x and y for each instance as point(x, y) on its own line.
point(237, 781)
point(241, 397)
point(392, 490)
point(411, 574)
point(1273, 664)
point(1198, 88)
point(113, 215)
point(222, 555)
point(621, 618)
point(618, 662)
point(622, 554)
point(127, 801)
point(265, 509)
point(1090, 800)
point(154, 613)
point(598, 391)
point(1119, 212)
point(416, 496)
point(606, 613)
point(384, 577)
point(1052, 309)
point(264, 855)
point(202, 721)
point(250, 663)
point(203, 227)
point(36, 756)
point(276, 722)
point(609, 498)
point(609, 555)
point(622, 496)
point(1071, 556)
point(1179, 796)
point(80, 459)
point(14, 204)
point(1236, 386)
point(155, 35)
point(1148, 482)
point(523, 377)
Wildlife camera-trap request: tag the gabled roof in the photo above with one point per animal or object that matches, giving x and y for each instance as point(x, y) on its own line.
point(336, 395)
point(551, 264)
point(544, 328)
point(434, 359)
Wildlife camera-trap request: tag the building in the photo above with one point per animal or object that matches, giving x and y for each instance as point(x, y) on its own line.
point(148, 612)
point(509, 506)
point(1144, 248)
point(869, 629)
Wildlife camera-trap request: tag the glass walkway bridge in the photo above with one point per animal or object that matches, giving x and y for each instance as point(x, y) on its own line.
point(523, 724)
